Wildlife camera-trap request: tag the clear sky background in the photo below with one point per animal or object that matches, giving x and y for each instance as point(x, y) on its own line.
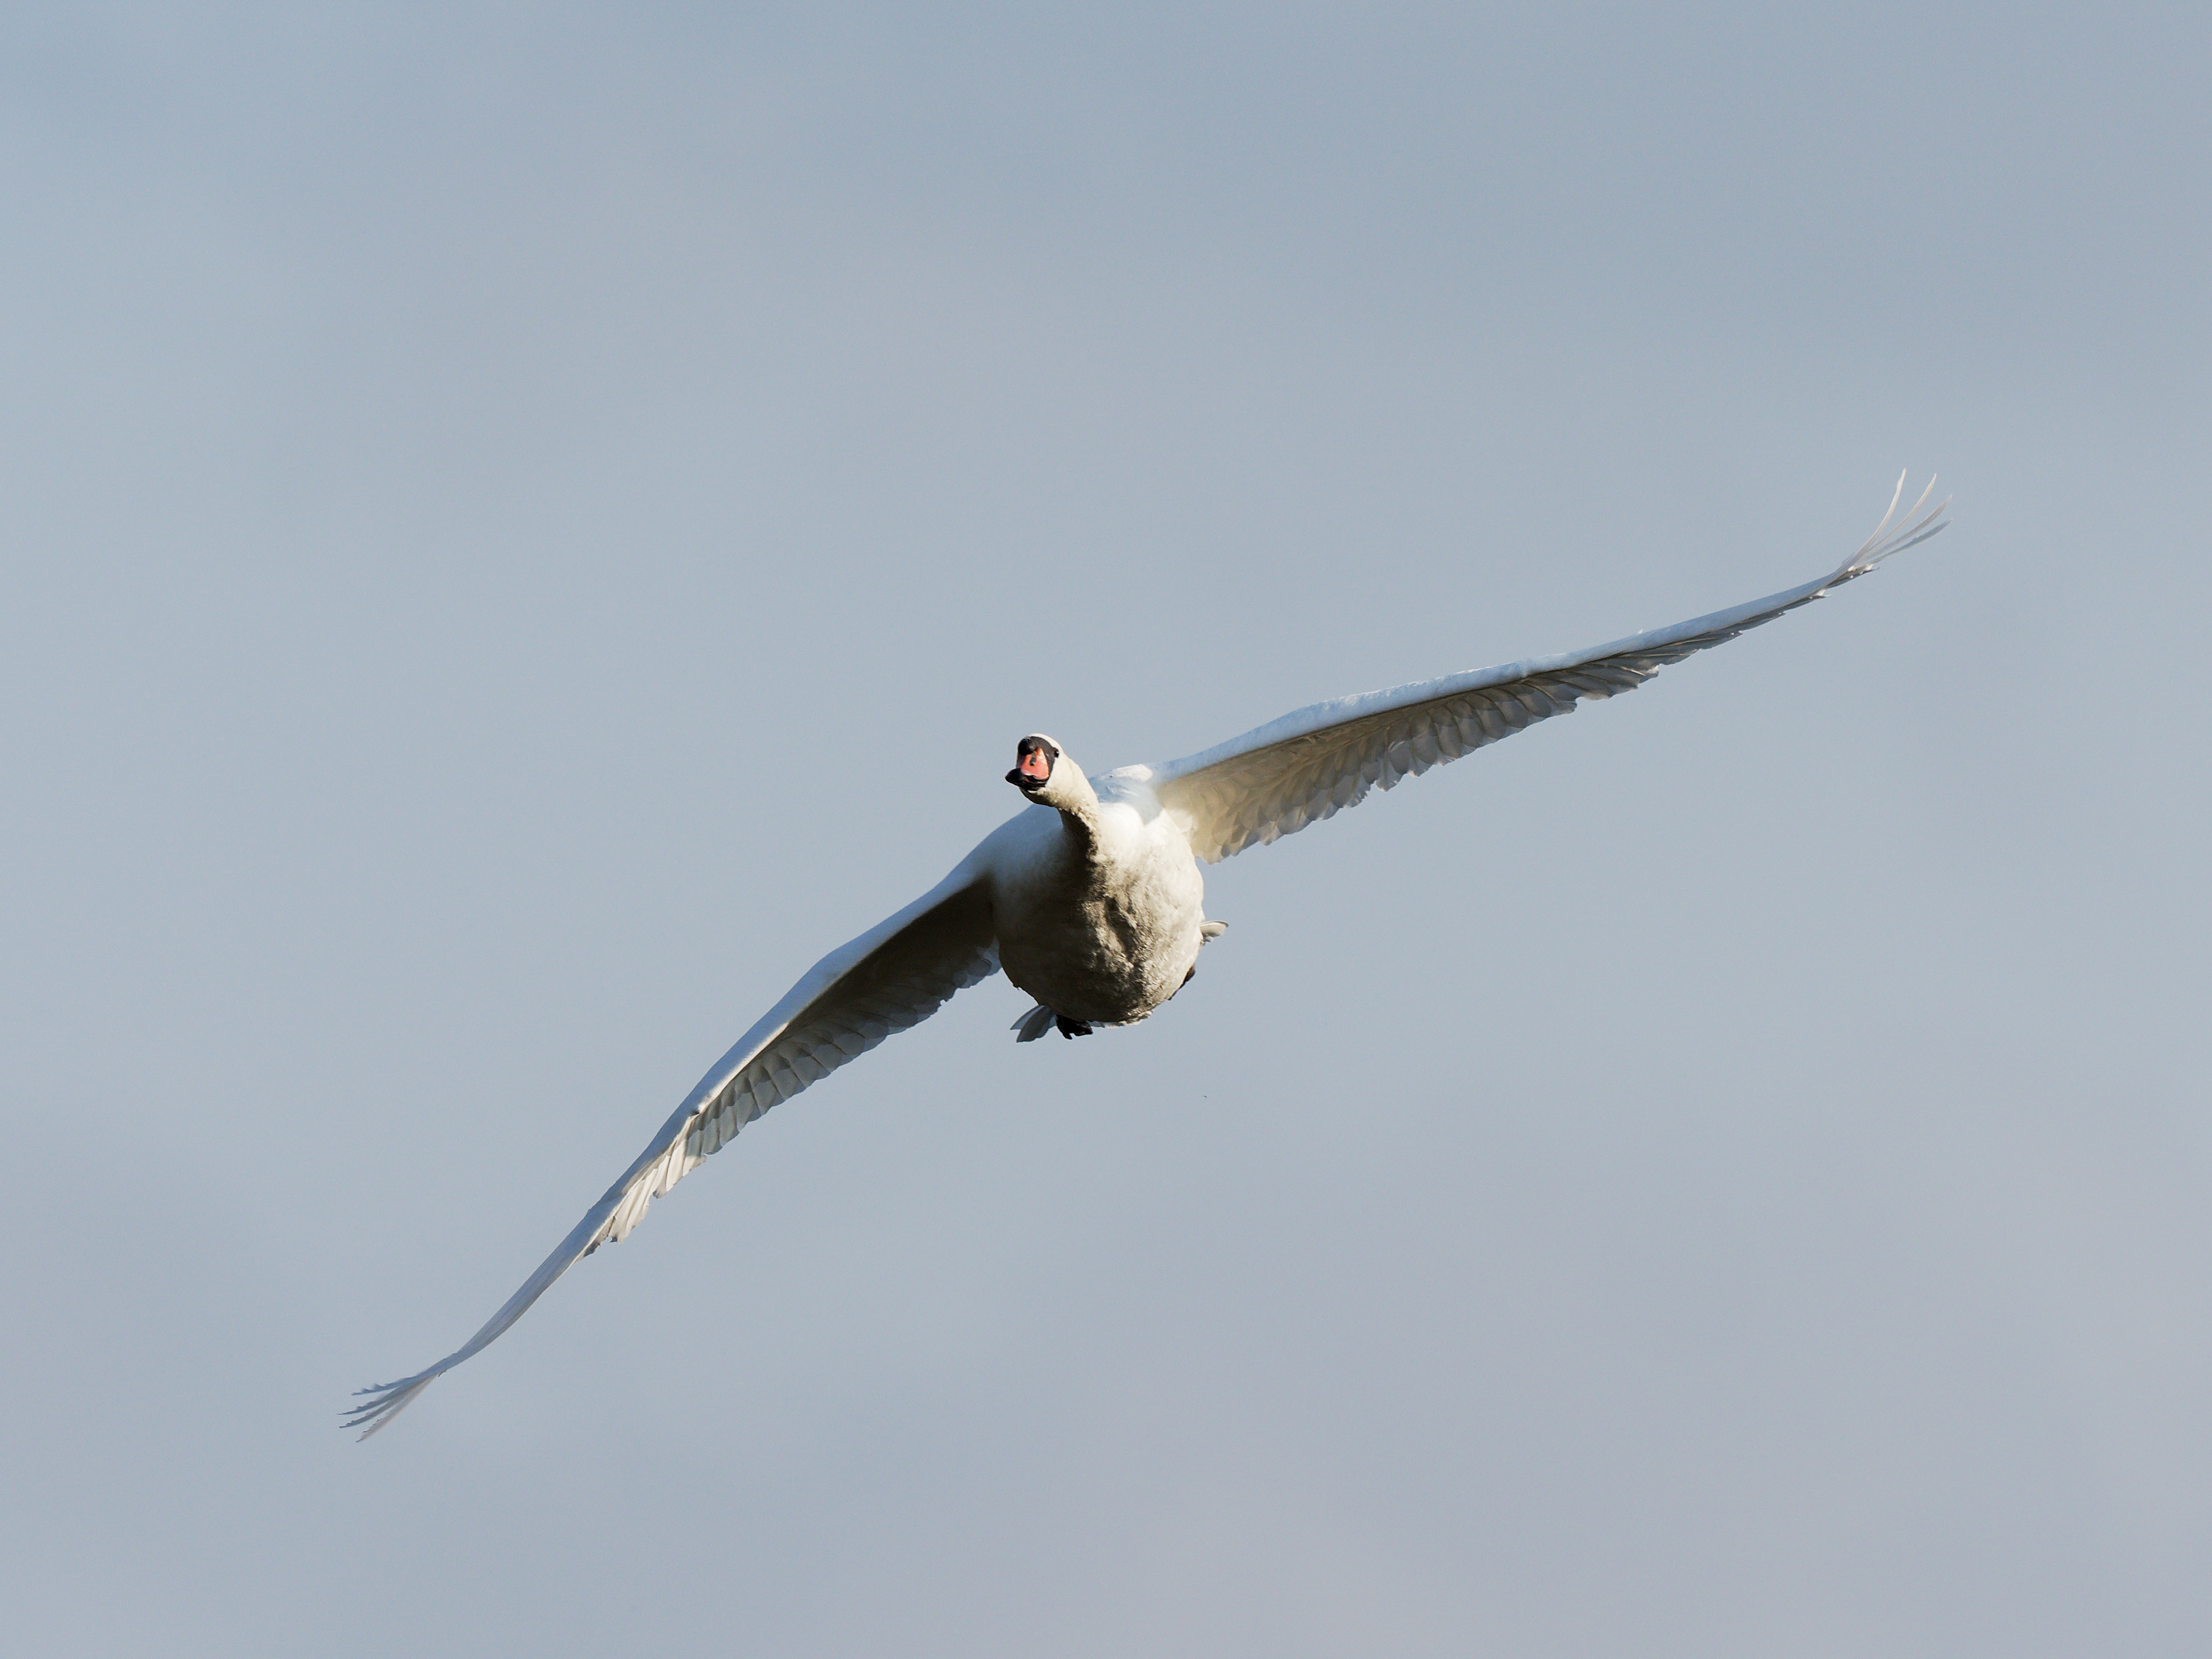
point(523, 527)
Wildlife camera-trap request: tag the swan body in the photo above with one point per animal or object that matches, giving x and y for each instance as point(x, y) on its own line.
point(1097, 903)
point(1091, 900)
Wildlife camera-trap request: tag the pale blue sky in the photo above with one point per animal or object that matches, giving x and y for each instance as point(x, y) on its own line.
point(524, 528)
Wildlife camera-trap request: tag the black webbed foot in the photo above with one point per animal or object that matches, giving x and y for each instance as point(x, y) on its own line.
point(1071, 1028)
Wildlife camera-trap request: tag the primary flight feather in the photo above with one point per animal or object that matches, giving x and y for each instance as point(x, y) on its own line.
point(1090, 898)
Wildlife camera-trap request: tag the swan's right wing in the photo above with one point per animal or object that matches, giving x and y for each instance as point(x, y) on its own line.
point(894, 975)
point(1311, 764)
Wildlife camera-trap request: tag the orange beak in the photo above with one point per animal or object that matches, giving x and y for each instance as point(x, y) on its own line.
point(1035, 764)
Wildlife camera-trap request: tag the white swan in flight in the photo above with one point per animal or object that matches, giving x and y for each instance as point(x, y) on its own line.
point(1090, 897)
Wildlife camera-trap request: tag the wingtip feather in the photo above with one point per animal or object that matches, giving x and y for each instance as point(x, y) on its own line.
point(1887, 542)
point(390, 1400)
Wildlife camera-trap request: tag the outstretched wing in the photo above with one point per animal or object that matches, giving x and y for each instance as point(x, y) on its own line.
point(1311, 764)
point(894, 975)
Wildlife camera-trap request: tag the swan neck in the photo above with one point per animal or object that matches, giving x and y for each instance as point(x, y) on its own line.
point(1077, 802)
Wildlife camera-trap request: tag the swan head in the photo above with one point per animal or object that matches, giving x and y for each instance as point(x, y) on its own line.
point(1044, 775)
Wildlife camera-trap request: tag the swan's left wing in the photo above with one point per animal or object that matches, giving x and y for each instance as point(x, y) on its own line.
point(894, 975)
point(1311, 764)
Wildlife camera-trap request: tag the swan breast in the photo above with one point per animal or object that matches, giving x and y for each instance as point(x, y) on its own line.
point(1099, 922)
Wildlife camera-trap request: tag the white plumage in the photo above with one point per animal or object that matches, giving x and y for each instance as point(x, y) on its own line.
point(1090, 899)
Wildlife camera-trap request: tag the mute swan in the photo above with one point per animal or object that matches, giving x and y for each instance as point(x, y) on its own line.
point(1090, 897)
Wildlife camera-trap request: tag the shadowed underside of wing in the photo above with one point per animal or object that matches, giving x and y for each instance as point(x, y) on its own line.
point(1312, 764)
point(894, 976)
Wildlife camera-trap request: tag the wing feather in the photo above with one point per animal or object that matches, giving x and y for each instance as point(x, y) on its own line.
point(1313, 763)
point(893, 976)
